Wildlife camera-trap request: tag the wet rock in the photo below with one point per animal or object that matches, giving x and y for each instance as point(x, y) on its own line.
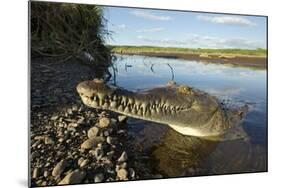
point(104, 122)
point(93, 132)
point(91, 143)
point(74, 177)
point(99, 178)
point(123, 157)
point(122, 174)
point(59, 168)
point(122, 118)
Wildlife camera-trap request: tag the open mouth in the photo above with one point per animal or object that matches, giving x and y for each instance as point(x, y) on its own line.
point(130, 105)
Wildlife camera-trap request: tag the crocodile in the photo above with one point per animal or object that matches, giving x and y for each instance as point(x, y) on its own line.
point(187, 110)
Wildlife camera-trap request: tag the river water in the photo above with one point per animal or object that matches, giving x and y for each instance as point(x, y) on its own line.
point(177, 155)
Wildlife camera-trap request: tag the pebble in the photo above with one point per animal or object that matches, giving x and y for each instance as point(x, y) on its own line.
point(99, 153)
point(93, 132)
point(104, 122)
point(99, 178)
point(59, 168)
point(122, 118)
point(84, 163)
point(123, 157)
point(122, 174)
point(46, 174)
point(80, 160)
point(110, 140)
point(91, 143)
point(73, 178)
point(73, 124)
point(55, 117)
point(48, 140)
point(35, 173)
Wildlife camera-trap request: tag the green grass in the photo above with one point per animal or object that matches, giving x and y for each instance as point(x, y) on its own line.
point(152, 49)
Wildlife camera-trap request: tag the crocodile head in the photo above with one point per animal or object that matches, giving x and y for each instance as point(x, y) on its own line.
point(186, 110)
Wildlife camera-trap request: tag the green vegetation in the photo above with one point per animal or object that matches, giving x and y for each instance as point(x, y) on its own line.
point(68, 31)
point(171, 50)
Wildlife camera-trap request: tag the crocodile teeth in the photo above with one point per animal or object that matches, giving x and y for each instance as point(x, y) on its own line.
point(127, 110)
point(134, 111)
point(113, 104)
point(158, 110)
point(120, 108)
point(105, 105)
point(139, 112)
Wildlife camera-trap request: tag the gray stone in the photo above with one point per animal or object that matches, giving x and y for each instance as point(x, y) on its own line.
point(46, 174)
point(122, 174)
point(80, 160)
point(93, 132)
point(104, 122)
point(59, 168)
point(123, 157)
point(99, 178)
point(73, 124)
point(35, 173)
point(74, 177)
point(91, 143)
point(49, 141)
point(84, 163)
point(54, 117)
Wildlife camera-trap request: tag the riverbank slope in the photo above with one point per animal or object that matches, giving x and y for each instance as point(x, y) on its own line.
point(237, 57)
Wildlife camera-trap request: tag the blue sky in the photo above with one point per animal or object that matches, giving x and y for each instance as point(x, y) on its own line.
point(132, 26)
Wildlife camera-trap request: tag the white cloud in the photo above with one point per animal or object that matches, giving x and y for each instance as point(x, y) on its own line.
point(230, 20)
point(151, 30)
point(198, 41)
point(150, 15)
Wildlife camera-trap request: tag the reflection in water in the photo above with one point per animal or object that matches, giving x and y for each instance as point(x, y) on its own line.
point(178, 155)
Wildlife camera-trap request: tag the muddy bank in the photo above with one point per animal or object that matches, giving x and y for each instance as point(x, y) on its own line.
point(235, 60)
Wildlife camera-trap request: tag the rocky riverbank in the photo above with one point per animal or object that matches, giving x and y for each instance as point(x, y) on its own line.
point(70, 143)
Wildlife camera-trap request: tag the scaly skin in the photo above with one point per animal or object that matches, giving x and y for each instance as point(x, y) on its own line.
point(186, 110)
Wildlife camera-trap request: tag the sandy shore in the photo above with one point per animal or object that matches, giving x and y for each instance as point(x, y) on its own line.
point(257, 62)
